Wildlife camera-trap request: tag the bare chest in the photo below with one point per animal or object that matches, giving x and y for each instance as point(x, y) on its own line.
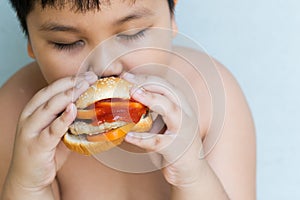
point(85, 178)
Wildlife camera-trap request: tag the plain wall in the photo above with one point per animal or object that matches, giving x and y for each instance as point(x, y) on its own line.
point(12, 43)
point(258, 41)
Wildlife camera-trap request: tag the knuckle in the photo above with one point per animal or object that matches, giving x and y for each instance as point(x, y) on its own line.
point(62, 119)
point(152, 97)
point(178, 112)
point(47, 105)
point(69, 93)
point(157, 141)
point(51, 130)
point(74, 80)
point(174, 108)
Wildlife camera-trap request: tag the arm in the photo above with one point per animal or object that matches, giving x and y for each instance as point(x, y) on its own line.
point(228, 171)
point(13, 191)
point(233, 159)
point(230, 168)
point(38, 152)
point(208, 186)
point(14, 90)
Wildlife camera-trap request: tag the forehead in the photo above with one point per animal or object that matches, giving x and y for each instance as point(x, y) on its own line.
point(79, 5)
point(110, 16)
point(58, 8)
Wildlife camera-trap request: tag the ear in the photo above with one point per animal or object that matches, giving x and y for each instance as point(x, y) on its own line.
point(174, 26)
point(30, 51)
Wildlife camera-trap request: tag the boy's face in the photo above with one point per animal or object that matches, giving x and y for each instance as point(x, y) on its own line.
point(112, 40)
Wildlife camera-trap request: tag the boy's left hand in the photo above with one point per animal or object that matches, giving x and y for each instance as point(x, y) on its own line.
point(180, 146)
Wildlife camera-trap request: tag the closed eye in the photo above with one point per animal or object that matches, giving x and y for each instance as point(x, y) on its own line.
point(132, 37)
point(68, 46)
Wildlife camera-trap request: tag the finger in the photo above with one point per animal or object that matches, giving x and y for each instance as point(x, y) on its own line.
point(170, 112)
point(57, 87)
point(154, 84)
point(159, 85)
point(170, 146)
point(46, 113)
point(150, 141)
point(51, 136)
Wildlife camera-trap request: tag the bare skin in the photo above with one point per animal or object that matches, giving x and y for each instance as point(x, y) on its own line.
point(227, 172)
point(16, 93)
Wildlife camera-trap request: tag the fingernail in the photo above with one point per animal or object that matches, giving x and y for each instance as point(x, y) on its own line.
point(139, 91)
point(70, 108)
point(130, 137)
point(128, 75)
point(130, 134)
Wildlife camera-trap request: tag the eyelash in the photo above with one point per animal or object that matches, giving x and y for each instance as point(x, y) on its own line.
point(68, 47)
point(71, 46)
point(130, 38)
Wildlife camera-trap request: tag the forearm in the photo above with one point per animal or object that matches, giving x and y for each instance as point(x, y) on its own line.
point(14, 191)
point(207, 186)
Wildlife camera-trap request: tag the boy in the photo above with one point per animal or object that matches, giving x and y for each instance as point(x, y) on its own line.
point(38, 107)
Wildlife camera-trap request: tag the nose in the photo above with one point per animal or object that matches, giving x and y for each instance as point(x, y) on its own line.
point(105, 60)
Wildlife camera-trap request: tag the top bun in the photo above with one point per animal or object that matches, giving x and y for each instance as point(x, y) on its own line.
point(110, 87)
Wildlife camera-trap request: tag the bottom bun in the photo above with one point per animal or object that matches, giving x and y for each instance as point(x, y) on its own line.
point(81, 145)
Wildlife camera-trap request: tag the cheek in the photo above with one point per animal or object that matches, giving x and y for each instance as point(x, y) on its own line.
point(58, 65)
point(145, 61)
point(157, 50)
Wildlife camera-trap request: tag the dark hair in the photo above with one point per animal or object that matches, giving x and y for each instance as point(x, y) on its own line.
point(24, 7)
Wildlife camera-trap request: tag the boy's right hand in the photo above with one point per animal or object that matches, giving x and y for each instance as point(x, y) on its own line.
point(38, 152)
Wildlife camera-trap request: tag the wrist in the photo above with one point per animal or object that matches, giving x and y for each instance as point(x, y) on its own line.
point(13, 190)
point(192, 176)
point(204, 184)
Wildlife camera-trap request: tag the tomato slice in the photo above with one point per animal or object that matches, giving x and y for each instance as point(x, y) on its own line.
point(111, 135)
point(110, 110)
point(114, 109)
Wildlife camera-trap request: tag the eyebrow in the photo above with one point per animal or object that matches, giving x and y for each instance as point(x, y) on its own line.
point(136, 14)
point(55, 27)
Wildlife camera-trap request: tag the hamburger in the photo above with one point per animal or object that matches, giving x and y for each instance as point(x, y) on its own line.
point(105, 114)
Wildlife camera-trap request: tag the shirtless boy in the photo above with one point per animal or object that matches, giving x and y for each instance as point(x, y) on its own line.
point(37, 108)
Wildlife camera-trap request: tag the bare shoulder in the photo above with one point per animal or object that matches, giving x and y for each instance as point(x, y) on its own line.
point(234, 155)
point(14, 95)
point(216, 88)
point(199, 71)
point(16, 92)
point(230, 143)
point(210, 70)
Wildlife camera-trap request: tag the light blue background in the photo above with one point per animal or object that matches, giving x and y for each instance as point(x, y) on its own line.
point(259, 42)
